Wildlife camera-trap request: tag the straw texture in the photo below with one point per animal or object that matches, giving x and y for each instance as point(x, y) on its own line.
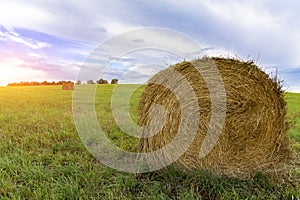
point(254, 137)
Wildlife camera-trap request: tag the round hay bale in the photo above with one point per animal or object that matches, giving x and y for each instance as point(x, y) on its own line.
point(114, 81)
point(254, 137)
point(68, 86)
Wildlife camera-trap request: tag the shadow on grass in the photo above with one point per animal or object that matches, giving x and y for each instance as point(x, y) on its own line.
point(172, 183)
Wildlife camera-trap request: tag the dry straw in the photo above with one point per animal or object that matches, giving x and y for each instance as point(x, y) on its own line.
point(68, 86)
point(254, 137)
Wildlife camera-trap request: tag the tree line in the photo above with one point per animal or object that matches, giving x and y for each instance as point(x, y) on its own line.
point(79, 82)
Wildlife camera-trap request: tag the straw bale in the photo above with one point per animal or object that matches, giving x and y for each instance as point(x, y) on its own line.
point(254, 136)
point(68, 86)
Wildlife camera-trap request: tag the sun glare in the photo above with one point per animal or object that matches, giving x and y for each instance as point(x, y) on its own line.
point(11, 70)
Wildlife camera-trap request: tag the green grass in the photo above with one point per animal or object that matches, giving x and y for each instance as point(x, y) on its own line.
point(42, 157)
point(293, 100)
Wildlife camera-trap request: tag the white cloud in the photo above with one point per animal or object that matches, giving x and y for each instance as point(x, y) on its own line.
point(24, 14)
point(91, 20)
point(268, 28)
point(13, 36)
point(114, 27)
point(220, 52)
point(30, 43)
point(36, 55)
point(244, 14)
point(255, 29)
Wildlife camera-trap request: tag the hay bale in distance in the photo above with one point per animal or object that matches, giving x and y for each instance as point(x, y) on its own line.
point(68, 86)
point(114, 81)
point(254, 137)
point(102, 81)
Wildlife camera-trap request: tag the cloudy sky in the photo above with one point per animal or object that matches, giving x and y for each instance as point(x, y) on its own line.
point(51, 40)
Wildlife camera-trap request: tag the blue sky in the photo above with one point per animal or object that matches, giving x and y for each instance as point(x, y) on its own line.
point(50, 40)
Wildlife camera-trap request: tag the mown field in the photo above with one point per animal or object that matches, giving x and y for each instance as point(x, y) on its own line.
point(42, 157)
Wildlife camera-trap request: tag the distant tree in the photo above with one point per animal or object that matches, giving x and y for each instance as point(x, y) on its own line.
point(45, 83)
point(11, 84)
point(78, 82)
point(90, 82)
point(60, 83)
point(102, 81)
point(114, 81)
point(35, 83)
